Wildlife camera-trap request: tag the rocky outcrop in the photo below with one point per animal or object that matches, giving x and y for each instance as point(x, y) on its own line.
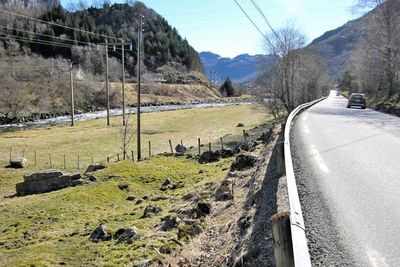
point(47, 181)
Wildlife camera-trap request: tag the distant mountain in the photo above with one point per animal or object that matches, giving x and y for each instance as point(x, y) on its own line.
point(29, 3)
point(241, 69)
point(336, 46)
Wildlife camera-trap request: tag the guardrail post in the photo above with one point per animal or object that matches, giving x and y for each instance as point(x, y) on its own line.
point(282, 239)
point(280, 154)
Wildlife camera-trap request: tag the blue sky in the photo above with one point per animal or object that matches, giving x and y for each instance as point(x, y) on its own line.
point(219, 26)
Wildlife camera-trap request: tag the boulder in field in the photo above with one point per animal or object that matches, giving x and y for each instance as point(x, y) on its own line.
point(18, 162)
point(149, 210)
point(47, 181)
point(100, 234)
point(180, 148)
point(126, 235)
point(95, 167)
point(170, 222)
point(208, 157)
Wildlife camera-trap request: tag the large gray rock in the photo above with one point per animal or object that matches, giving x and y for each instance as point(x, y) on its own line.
point(170, 222)
point(180, 148)
point(95, 167)
point(47, 181)
point(243, 162)
point(151, 209)
point(100, 234)
point(126, 235)
point(18, 162)
point(208, 157)
point(42, 175)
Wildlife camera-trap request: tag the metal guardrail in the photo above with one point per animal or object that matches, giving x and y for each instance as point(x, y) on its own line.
point(299, 241)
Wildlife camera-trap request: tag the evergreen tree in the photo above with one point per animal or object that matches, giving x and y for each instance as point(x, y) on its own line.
point(227, 88)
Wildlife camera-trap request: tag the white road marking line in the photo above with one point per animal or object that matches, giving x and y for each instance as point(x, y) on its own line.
point(320, 161)
point(375, 258)
point(306, 129)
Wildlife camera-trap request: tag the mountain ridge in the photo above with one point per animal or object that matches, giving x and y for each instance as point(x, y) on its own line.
point(241, 68)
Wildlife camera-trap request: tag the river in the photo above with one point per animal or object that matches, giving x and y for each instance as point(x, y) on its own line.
point(115, 112)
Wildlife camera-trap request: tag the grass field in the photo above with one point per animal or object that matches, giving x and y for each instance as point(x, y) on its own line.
point(94, 139)
point(53, 228)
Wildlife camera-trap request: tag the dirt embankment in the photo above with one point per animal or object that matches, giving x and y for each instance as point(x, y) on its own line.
point(238, 231)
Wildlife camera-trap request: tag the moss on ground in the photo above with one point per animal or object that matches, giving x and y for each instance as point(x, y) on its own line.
point(53, 228)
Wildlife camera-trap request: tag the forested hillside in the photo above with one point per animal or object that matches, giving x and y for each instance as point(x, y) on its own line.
point(35, 54)
point(374, 66)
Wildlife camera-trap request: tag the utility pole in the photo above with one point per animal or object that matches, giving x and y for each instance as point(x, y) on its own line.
point(72, 94)
point(139, 154)
point(107, 89)
point(123, 84)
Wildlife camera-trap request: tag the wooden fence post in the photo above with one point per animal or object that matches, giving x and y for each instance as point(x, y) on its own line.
point(181, 143)
point(118, 157)
point(10, 153)
point(92, 160)
point(133, 158)
point(222, 144)
point(65, 162)
point(51, 166)
point(35, 157)
point(282, 239)
point(78, 163)
point(199, 144)
point(108, 159)
point(23, 153)
point(170, 145)
point(149, 148)
point(209, 146)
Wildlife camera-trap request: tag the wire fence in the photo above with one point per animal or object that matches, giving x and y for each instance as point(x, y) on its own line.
point(42, 159)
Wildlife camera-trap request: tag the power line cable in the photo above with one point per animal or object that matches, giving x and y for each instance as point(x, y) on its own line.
point(254, 24)
point(56, 24)
point(45, 35)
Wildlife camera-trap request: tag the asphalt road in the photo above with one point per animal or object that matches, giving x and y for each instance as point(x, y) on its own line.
point(347, 166)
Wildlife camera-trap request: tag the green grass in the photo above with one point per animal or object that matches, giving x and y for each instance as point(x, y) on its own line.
point(94, 139)
point(47, 229)
point(53, 228)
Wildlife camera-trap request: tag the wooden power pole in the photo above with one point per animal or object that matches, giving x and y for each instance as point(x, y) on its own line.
point(123, 83)
point(72, 94)
point(107, 89)
point(139, 154)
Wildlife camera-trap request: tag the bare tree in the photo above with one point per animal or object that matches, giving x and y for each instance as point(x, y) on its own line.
point(380, 48)
point(296, 75)
point(126, 133)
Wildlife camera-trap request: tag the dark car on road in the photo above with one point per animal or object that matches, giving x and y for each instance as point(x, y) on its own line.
point(357, 100)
